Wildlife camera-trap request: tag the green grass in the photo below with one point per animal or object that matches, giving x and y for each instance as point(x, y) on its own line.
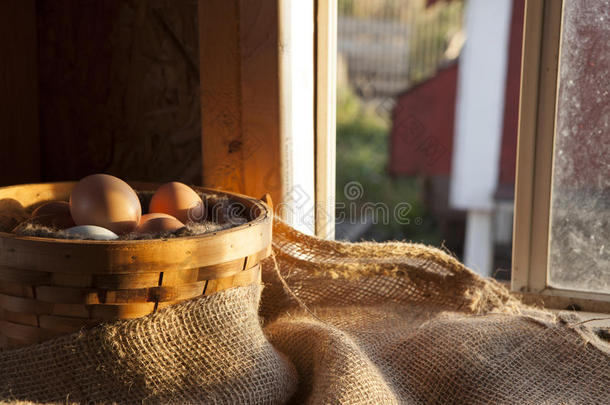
point(363, 156)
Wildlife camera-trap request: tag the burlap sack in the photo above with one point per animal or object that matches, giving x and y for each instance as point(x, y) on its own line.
point(344, 323)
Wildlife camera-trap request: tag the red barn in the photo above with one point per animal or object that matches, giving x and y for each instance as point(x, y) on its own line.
point(423, 131)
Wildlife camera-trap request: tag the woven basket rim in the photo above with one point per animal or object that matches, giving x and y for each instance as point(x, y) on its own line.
point(131, 256)
point(262, 217)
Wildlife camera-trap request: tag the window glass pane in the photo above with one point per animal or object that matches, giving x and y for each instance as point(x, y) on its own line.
point(580, 217)
point(396, 85)
point(427, 119)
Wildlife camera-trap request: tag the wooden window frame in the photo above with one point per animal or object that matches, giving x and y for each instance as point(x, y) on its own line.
point(268, 101)
point(326, 116)
point(531, 236)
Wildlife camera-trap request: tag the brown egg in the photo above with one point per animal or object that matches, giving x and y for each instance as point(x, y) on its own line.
point(178, 200)
point(54, 214)
point(158, 223)
point(106, 201)
point(152, 215)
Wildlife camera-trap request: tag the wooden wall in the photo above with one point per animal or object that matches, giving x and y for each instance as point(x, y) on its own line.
point(119, 89)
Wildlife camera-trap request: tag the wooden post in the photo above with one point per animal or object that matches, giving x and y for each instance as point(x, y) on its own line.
point(239, 96)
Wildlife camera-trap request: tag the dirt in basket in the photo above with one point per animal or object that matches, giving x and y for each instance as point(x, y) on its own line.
point(221, 213)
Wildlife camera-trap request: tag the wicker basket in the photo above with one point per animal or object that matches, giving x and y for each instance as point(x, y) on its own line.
point(50, 286)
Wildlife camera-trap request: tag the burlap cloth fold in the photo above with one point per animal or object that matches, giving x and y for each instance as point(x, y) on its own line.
point(336, 323)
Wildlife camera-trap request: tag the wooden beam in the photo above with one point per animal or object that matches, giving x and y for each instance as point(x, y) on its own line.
point(239, 96)
point(19, 139)
point(220, 72)
point(260, 98)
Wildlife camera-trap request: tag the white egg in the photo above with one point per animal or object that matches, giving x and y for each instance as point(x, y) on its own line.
point(90, 232)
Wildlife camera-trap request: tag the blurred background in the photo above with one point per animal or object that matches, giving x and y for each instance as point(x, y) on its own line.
point(427, 115)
